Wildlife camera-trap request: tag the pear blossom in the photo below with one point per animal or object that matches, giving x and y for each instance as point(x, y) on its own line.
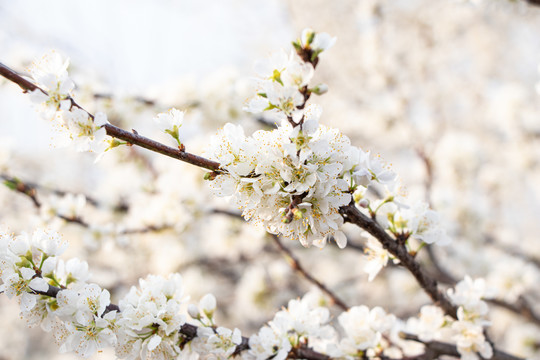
point(221, 341)
point(468, 292)
point(86, 133)
point(303, 319)
point(22, 283)
point(318, 42)
point(170, 122)
point(153, 307)
point(432, 319)
point(86, 338)
point(288, 179)
point(377, 258)
point(269, 343)
point(470, 340)
point(424, 224)
point(72, 271)
point(50, 72)
point(363, 328)
point(49, 242)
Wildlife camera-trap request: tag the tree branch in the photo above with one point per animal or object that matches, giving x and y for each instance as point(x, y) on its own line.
point(353, 215)
point(116, 132)
point(294, 262)
point(297, 266)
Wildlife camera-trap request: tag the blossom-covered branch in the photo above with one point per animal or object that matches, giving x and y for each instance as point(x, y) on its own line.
point(353, 215)
point(302, 181)
point(147, 322)
point(68, 206)
point(131, 137)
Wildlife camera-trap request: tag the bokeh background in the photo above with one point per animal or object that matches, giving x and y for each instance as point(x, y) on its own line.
point(445, 91)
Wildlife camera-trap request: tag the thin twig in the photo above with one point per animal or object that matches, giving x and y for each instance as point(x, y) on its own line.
point(297, 266)
point(294, 263)
point(36, 186)
point(520, 307)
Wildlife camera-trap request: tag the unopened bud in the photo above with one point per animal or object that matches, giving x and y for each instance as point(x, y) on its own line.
point(320, 89)
point(208, 303)
point(193, 311)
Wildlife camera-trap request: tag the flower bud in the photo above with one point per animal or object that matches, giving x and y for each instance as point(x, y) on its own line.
point(208, 305)
point(193, 311)
point(320, 89)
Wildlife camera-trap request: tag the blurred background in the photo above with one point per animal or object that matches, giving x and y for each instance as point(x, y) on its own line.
point(445, 91)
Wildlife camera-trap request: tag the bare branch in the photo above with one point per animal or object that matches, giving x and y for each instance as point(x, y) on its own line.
point(297, 266)
point(294, 263)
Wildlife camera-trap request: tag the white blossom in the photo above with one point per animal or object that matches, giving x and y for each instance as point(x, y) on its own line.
point(50, 72)
point(377, 258)
point(170, 122)
point(363, 328)
point(269, 343)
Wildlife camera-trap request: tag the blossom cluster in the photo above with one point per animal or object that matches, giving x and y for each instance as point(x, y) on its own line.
point(148, 321)
point(54, 102)
point(57, 296)
point(294, 180)
point(467, 331)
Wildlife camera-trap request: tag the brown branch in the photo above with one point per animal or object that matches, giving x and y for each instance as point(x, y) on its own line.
point(131, 137)
point(17, 185)
point(350, 213)
point(434, 349)
point(429, 285)
point(521, 307)
point(297, 266)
